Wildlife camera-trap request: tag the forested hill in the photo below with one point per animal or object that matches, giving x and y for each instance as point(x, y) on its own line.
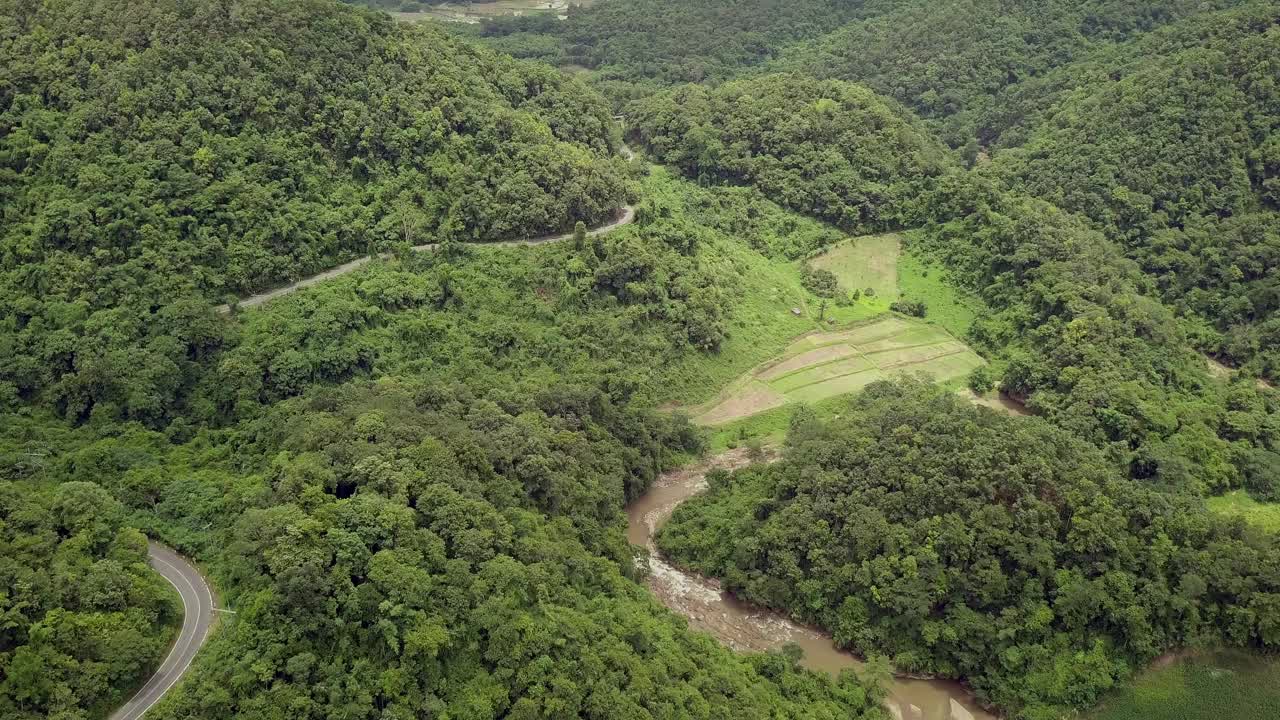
point(1171, 146)
point(826, 148)
point(948, 61)
point(408, 483)
point(638, 46)
point(85, 619)
point(1076, 328)
point(1154, 119)
point(158, 156)
point(967, 543)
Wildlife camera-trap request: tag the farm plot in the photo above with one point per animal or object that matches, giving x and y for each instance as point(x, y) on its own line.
point(823, 365)
point(865, 262)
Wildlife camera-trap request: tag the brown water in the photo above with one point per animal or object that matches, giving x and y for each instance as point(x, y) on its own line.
point(746, 628)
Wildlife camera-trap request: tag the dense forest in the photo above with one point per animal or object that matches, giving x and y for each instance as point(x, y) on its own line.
point(401, 549)
point(1086, 345)
point(642, 45)
point(252, 142)
point(825, 148)
point(951, 63)
point(1169, 145)
point(963, 542)
point(409, 480)
point(85, 620)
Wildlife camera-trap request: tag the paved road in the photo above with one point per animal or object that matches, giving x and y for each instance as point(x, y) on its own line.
point(626, 218)
point(197, 608)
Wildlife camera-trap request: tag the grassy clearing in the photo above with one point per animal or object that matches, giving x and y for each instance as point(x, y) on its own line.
point(775, 317)
point(824, 365)
point(865, 262)
point(954, 368)
point(808, 359)
point(761, 325)
point(948, 306)
point(767, 428)
point(1213, 686)
point(1238, 502)
point(761, 322)
point(835, 386)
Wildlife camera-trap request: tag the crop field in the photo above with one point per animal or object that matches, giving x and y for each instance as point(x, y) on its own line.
point(865, 262)
point(824, 365)
point(474, 12)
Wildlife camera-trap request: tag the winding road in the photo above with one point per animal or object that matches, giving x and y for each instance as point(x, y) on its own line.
point(626, 217)
point(197, 617)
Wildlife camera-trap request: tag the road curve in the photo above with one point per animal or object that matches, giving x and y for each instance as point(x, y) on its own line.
point(197, 616)
point(627, 216)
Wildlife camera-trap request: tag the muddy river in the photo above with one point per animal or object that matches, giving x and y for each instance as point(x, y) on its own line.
point(746, 628)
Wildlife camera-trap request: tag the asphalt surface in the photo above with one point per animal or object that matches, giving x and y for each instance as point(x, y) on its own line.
point(626, 217)
point(197, 609)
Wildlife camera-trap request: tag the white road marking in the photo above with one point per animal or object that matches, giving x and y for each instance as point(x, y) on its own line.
point(187, 644)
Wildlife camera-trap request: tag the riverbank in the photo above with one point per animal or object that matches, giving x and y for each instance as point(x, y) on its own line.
point(746, 628)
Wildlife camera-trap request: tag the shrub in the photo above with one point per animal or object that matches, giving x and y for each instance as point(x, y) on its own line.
point(909, 307)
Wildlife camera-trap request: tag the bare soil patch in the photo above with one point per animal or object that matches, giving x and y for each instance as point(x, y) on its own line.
point(806, 359)
point(996, 401)
point(754, 398)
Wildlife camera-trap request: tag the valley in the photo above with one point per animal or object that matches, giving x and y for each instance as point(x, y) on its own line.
point(475, 12)
point(749, 629)
point(918, 364)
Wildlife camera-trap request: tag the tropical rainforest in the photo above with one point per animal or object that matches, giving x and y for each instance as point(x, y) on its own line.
point(409, 480)
point(85, 619)
point(973, 544)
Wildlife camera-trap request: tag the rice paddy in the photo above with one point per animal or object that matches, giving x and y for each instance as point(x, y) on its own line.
point(827, 364)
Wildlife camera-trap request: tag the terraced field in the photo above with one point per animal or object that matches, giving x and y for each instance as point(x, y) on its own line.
point(823, 365)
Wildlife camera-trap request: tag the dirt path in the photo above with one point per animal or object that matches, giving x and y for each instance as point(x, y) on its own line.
point(626, 217)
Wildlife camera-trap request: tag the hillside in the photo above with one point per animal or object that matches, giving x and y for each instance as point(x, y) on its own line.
point(949, 61)
point(636, 47)
point(490, 346)
point(966, 543)
point(85, 619)
point(408, 481)
point(1155, 119)
point(1169, 145)
point(824, 148)
point(161, 155)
